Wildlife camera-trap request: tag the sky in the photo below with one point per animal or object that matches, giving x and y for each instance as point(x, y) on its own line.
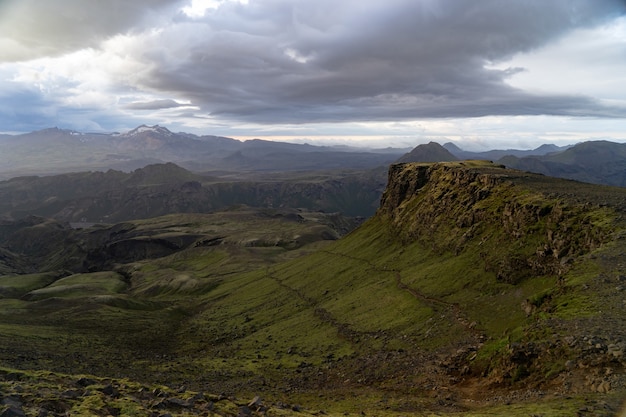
point(481, 73)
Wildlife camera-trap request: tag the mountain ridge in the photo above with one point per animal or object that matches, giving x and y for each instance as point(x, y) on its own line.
point(160, 189)
point(70, 151)
point(599, 162)
point(496, 154)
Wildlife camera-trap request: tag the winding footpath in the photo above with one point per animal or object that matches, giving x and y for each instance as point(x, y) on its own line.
point(433, 302)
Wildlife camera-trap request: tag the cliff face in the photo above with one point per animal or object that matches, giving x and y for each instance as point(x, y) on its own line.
point(523, 231)
point(515, 230)
point(161, 189)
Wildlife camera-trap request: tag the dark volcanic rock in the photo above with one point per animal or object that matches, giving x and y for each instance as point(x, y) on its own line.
point(13, 411)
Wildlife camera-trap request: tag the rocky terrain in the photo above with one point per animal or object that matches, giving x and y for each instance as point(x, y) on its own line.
point(52, 394)
point(474, 290)
point(156, 190)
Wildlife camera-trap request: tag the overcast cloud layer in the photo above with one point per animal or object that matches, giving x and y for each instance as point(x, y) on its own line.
point(391, 69)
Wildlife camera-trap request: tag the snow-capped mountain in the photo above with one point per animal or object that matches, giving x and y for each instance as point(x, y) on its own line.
point(52, 151)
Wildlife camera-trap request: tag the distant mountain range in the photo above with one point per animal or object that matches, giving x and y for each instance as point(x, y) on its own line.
point(56, 151)
point(151, 171)
point(494, 155)
point(596, 162)
point(52, 151)
point(434, 152)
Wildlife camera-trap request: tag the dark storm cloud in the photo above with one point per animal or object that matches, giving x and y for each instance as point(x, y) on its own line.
point(288, 61)
point(303, 61)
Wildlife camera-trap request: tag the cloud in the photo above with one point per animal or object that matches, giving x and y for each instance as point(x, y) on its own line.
point(25, 110)
point(297, 62)
point(31, 28)
point(154, 105)
point(291, 62)
point(588, 61)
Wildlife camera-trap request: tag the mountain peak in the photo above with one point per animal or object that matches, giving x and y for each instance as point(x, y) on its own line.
point(56, 130)
point(451, 147)
point(149, 129)
point(430, 152)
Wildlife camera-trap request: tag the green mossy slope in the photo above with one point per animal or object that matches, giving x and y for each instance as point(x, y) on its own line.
point(473, 286)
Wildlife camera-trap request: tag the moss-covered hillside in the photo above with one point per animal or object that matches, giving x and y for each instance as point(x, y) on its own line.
point(474, 290)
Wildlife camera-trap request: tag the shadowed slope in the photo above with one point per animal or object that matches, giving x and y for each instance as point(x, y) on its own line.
point(598, 162)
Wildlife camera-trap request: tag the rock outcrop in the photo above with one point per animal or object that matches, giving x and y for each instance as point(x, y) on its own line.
point(523, 228)
point(446, 205)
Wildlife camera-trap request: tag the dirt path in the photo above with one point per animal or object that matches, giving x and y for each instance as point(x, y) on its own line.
point(450, 310)
point(436, 304)
point(343, 329)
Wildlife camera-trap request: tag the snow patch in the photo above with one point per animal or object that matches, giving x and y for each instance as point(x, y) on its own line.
point(149, 129)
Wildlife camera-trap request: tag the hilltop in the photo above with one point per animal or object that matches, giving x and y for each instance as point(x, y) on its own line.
point(430, 152)
point(474, 290)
